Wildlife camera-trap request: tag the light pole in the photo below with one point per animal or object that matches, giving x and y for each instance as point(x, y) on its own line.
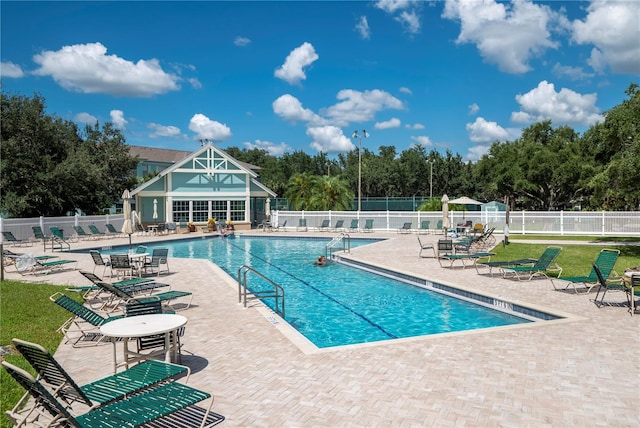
point(205, 141)
point(359, 137)
point(430, 180)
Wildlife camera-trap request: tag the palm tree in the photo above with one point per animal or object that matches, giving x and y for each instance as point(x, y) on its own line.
point(331, 193)
point(300, 189)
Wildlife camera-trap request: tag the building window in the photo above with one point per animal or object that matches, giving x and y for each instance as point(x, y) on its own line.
point(181, 211)
point(219, 210)
point(200, 211)
point(237, 210)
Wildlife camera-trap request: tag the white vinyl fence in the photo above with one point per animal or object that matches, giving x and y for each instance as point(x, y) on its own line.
point(600, 223)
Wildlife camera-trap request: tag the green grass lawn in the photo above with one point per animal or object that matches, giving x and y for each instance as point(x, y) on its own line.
point(26, 313)
point(575, 260)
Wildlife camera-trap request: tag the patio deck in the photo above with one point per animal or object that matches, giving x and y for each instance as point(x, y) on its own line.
point(584, 372)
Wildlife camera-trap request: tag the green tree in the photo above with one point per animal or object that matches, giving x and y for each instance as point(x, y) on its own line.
point(300, 191)
point(49, 169)
point(331, 193)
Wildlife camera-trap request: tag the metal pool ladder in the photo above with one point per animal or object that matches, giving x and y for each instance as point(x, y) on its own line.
point(244, 295)
point(343, 237)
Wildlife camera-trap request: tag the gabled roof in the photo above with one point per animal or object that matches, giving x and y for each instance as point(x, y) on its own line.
point(156, 154)
point(242, 166)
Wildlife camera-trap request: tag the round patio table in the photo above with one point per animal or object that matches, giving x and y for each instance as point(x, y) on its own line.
point(143, 325)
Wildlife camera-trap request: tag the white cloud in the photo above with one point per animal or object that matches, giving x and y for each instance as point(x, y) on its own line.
point(359, 106)
point(85, 118)
point(422, 140)
point(299, 58)
point(162, 131)
point(414, 126)
point(271, 148)
point(565, 107)
point(87, 68)
point(195, 83)
point(290, 108)
point(474, 109)
point(9, 69)
point(362, 27)
point(206, 128)
point(117, 117)
point(476, 152)
point(410, 21)
point(406, 90)
point(404, 11)
point(508, 37)
point(613, 27)
point(329, 139)
point(573, 73)
point(391, 123)
point(241, 41)
point(482, 131)
point(392, 6)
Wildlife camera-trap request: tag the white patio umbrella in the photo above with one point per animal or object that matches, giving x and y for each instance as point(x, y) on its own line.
point(463, 200)
point(445, 212)
point(267, 208)
point(155, 210)
point(127, 228)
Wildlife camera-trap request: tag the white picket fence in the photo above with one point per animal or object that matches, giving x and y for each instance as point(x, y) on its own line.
point(600, 223)
point(596, 223)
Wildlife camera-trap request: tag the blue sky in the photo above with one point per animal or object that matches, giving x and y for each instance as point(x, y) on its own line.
point(283, 76)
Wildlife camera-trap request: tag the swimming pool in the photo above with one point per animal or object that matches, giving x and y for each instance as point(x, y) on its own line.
point(336, 304)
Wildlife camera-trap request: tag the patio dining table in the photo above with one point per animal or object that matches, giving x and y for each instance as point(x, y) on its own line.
point(140, 326)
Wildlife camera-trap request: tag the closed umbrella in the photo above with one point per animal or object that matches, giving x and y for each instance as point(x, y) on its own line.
point(267, 208)
point(127, 228)
point(445, 212)
point(155, 210)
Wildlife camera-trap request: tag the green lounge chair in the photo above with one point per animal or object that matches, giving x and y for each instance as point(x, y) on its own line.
point(368, 225)
point(604, 286)
point(324, 226)
point(545, 264)
point(164, 296)
point(605, 262)
point(38, 233)
point(354, 225)
point(11, 239)
point(424, 227)
point(339, 226)
point(27, 264)
point(112, 230)
point(134, 411)
point(406, 227)
point(465, 258)
point(76, 331)
point(81, 233)
point(131, 286)
point(302, 225)
point(95, 232)
point(505, 263)
point(101, 391)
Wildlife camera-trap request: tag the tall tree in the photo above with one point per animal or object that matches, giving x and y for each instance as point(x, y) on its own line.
point(49, 169)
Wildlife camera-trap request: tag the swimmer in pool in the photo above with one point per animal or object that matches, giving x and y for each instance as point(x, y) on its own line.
point(321, 261)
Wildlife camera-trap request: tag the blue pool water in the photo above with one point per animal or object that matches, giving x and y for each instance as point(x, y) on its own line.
point(335, 304)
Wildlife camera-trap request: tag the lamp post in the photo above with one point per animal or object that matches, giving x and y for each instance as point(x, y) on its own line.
point(430, 180)
point(205, 141)
point(359, 137)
